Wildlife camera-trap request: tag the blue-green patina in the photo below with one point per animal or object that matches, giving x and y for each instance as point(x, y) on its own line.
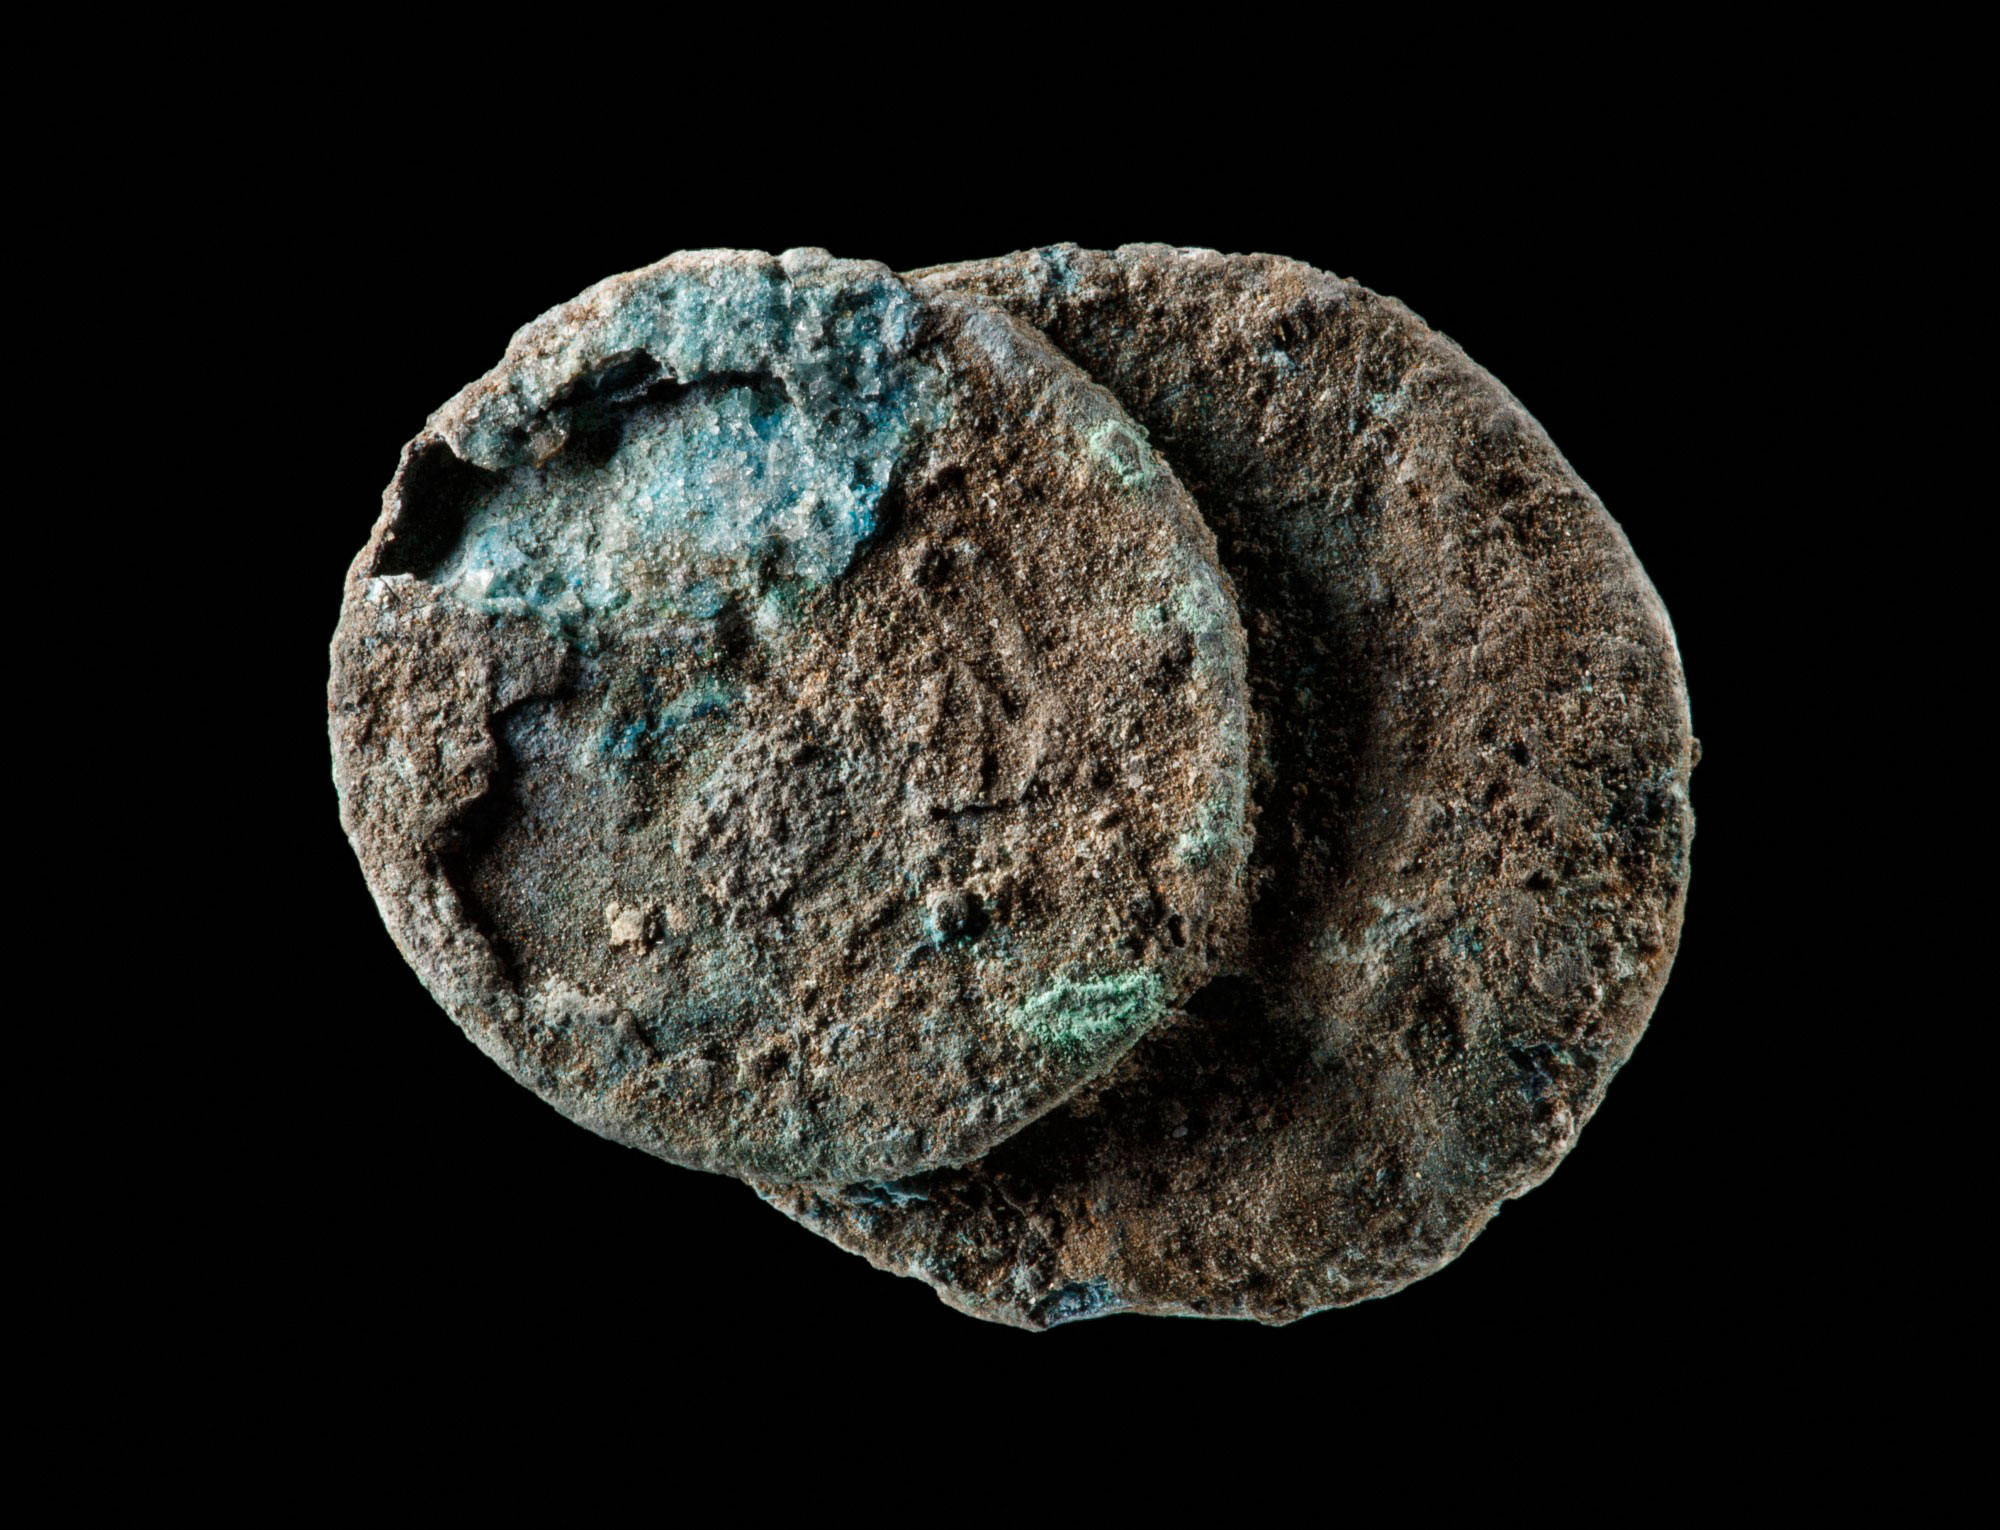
point(718, 434)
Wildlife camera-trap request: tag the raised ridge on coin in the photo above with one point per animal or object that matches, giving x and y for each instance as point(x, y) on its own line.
point(1472, 848)
point(794, 724)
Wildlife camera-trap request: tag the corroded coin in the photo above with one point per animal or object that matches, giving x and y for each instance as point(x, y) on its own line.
point(794, 724)
point(1472, 849)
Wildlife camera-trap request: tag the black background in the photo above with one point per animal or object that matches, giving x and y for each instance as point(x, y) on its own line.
point(438, 1225)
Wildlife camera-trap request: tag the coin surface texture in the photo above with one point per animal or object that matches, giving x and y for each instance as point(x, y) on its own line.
point(794, 723)
point(1472, 839)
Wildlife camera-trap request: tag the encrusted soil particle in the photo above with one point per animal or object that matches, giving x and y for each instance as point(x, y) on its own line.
point(1472, 847)
point(795, 724)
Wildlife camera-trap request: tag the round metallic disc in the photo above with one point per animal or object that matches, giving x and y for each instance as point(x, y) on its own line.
point(1472, 837)
point(793, 724)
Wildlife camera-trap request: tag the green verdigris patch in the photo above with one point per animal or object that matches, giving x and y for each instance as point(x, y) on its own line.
point(1122, 447)
point(1201, 608)
point(1073, 1014)
point(1217, 825)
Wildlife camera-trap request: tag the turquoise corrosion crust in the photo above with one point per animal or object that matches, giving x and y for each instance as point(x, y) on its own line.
point(712, 433)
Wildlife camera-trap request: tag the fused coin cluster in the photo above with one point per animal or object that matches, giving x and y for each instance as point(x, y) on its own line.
point(1104, 781)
